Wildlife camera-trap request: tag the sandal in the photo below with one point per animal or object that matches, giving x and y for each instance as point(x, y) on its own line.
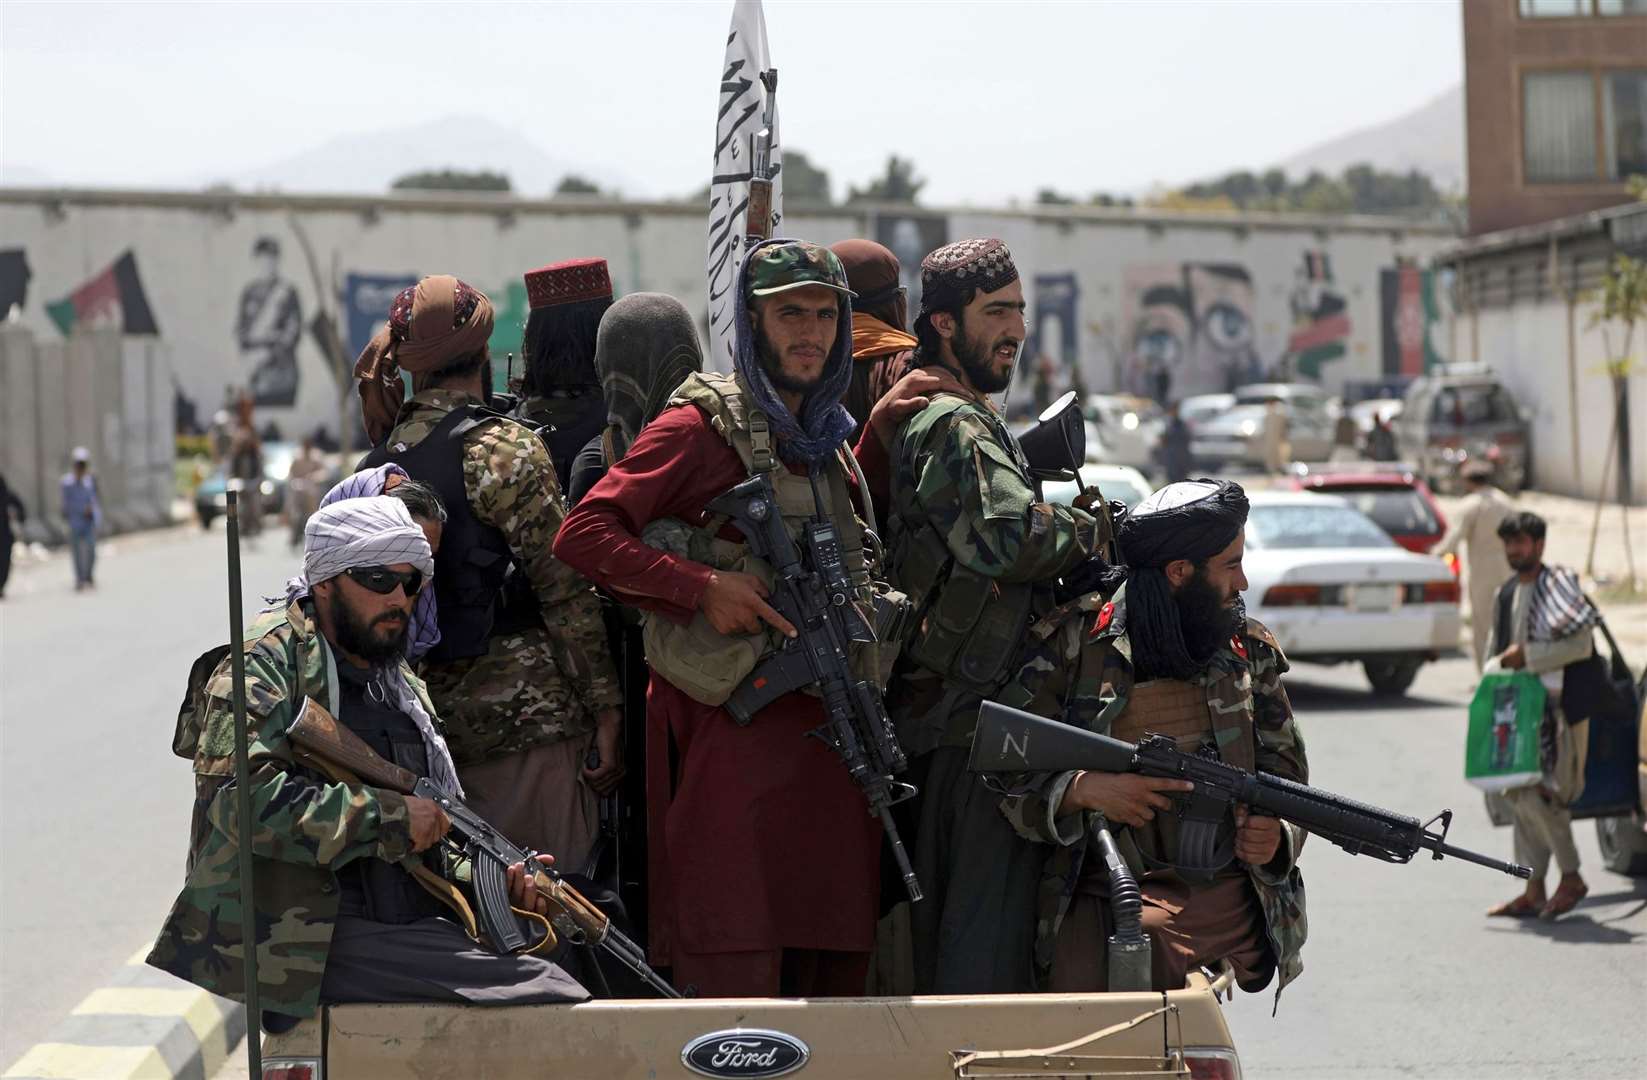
point(1567, 896)
point(1522, 907)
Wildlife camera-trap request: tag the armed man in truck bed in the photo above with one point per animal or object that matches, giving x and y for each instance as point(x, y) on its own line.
point(523, 675)
point(341, 916)
point(1173, 652)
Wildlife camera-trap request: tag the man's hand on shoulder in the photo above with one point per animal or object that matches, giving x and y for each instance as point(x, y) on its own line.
point(426, 821)
point(735, 603)
point(909, 395)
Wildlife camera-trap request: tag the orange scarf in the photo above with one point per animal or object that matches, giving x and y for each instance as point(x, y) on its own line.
point(871, 337)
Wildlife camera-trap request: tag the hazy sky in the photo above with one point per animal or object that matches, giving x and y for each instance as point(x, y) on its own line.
point(990, 99)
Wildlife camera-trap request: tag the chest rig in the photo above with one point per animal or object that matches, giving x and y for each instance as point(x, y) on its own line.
point(967, 626)
point(709, 666)
point(1213, 718)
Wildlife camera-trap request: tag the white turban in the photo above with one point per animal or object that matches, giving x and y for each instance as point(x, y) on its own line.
point(375, 531)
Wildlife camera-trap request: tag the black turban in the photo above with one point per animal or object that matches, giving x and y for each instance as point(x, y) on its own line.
point(1192, 519)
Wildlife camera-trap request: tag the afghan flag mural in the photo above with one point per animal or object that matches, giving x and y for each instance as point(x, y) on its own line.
point(1409, 314)
point(115, 296)
point(1320, 321)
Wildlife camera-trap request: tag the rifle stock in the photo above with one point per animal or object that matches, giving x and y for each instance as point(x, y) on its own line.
point(319, 735)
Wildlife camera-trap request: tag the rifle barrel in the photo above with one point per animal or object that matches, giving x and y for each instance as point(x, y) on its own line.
point(1513, 869)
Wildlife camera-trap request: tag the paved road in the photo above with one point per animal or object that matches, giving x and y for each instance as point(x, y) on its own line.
point(1403, 976)
point(94, 809)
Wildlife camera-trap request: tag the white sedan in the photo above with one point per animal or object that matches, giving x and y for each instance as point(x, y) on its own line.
point(1121, 482)
point(1332, 586)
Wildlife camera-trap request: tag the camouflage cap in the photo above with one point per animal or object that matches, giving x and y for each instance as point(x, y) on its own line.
point(791, 264)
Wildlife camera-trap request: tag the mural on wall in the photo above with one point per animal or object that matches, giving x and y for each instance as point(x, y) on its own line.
point(1050, 363)
point(268, 325)
point(1320, 321)
point(1409, 317)
point(14, 280)
point(113, 297)
point(1189, 329)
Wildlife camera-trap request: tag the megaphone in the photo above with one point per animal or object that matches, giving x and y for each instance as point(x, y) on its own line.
point(1056, 446)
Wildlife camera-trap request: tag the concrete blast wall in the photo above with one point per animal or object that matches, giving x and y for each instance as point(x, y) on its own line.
point(111, 396)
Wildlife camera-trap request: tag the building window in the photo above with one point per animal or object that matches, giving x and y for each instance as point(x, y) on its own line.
point(1624, 120)
point(1571, 9)
point(1559, 126)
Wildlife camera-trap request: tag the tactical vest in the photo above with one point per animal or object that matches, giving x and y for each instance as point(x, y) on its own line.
point(474, 557)
point(703, 663)
point(1182, 711)
point(967, 626)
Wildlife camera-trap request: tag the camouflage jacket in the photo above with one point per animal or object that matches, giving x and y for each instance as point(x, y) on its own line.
point(1244, 692)
point(965, 508)
point(533, 686)
point(307, 827)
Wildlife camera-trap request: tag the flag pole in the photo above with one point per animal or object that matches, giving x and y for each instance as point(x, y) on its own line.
point(243, 795)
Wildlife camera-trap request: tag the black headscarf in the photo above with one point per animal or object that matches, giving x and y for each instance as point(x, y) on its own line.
point(646, 348)
point(1194, 520)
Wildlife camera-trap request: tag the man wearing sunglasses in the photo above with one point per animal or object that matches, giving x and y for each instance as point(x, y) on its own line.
point(342, 918)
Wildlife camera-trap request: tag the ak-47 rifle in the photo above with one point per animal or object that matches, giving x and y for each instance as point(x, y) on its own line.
point(816, 597)
point(1008, 740)
point(757, 222)
point(329, 746)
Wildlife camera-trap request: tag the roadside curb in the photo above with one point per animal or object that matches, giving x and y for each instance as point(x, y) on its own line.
point(143, 1024)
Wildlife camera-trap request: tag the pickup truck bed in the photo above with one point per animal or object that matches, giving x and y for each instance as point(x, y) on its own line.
point(1043, 1035)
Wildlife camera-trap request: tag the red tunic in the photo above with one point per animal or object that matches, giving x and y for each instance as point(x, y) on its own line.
point(759, 840)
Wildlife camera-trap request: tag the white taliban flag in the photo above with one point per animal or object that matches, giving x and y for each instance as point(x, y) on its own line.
point(742, 103)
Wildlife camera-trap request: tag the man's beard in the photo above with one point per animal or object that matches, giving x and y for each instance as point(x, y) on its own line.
point(772, 364)
point(978, 360)
point(1206, 623)
point(366, 640)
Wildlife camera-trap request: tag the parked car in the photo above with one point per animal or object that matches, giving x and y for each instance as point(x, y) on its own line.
point(1236, 436)
point(1121, 482)
point(211, 497)
point(1126, 429)
point(1449, 419)
point(1333, 587)
point(1397, 500)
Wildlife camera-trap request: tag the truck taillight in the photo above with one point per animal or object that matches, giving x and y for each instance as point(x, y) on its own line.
point(1292, 596)
point(293, 1069)
point(1210, 1063)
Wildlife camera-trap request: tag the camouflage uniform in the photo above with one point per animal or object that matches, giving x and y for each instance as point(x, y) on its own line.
point(978, 555)
point(307, 828)
point(1243, 693)
point(534, 686)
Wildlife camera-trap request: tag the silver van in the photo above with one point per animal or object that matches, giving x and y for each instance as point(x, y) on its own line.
point(1448, 419)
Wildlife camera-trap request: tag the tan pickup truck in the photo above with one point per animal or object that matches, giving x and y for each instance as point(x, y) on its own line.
point(1181, 1033)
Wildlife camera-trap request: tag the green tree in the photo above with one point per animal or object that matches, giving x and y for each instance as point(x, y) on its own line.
point(899, 185)
point(1050, 197)
point(573, 184)
point(802, 180)
point(1621, 303)
point(452, 180)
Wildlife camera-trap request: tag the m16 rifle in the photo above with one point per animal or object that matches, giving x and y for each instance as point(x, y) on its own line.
point(328, 746)
point(1009, 740)
point(815, 595)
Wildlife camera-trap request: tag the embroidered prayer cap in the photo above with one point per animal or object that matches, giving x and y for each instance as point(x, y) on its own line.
point(777, 268)
point(981, 264)
point(1192, 519)
point(567, 283)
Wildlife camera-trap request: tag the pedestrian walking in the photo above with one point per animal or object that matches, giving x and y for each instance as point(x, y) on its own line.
point(1277, 450)
point(1174, 448)
point(1475, 529)
point(9, 504)
point(84, 514)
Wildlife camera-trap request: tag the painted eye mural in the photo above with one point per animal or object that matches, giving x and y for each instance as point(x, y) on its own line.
point(1190, 329)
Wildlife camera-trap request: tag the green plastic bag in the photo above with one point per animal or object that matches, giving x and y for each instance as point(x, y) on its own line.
point(1501, 750)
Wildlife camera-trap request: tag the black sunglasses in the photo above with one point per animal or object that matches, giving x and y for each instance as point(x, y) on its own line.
point(382, 580)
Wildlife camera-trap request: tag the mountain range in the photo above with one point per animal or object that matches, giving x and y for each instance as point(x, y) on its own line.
point(1430, 139)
